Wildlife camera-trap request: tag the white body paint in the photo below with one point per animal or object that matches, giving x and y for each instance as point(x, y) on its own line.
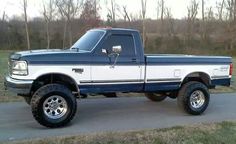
point(157, 73)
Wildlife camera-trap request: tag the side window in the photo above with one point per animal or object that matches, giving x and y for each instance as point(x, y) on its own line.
point(125, 41)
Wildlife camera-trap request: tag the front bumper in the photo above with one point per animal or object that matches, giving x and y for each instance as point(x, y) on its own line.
point(20, 87)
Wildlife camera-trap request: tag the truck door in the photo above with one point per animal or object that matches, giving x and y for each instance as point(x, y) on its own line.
point(114, 71)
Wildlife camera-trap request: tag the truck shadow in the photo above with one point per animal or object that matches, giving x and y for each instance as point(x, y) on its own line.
point(125, 108)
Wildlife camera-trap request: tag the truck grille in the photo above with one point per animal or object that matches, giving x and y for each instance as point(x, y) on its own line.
point(10, 62)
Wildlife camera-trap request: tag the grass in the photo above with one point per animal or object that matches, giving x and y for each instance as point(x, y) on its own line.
point(5, 96)
point(9, 97)
point(214, 133)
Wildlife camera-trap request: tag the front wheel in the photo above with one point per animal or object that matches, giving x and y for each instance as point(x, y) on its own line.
point(194, 98)
point(155, 97)
point(53, 105)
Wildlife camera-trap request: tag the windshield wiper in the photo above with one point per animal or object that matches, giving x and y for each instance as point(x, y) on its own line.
point(73, 48)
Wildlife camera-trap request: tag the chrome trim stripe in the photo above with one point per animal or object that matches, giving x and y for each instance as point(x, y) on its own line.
point(163, 80)
point(102, 82)
point(220, 77)
point(112, 81)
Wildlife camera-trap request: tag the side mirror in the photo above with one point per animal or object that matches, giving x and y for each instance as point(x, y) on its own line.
point(104, 51)
point(117, 49)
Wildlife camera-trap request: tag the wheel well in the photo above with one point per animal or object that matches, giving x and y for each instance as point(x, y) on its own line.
point(198, 76)
point(55, 78)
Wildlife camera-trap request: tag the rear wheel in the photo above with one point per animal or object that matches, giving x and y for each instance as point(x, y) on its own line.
point(155, 97)
point(194, 98)
point(53, 105)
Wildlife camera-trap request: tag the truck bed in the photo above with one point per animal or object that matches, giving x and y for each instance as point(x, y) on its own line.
point(167, 72)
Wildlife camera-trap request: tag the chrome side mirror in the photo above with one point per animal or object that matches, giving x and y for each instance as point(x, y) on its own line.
point(104, 51)
point(117, 49)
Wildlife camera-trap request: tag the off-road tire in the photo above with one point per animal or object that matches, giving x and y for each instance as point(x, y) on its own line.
point(185, 94)
point(42, 94)
point(155, 97)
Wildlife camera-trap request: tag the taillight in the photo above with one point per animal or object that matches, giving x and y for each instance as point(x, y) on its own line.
point(231, 69)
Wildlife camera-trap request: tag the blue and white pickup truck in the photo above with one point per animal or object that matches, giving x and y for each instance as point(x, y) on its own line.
point(107, 61)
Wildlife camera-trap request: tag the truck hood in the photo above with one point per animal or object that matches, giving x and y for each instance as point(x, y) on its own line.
point(20, 54)
point(52, 56)
point(41, 51)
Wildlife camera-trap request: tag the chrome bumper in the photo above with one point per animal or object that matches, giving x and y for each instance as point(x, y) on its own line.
point(20, 87)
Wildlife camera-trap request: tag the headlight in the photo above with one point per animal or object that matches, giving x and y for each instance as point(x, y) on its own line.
point(19, 68)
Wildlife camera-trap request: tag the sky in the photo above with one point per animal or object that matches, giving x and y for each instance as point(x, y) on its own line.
point(178, 7)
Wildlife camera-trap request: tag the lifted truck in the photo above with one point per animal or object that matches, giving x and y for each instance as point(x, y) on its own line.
point(107, 61)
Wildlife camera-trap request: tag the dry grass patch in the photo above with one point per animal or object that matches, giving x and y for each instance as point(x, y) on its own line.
point(214, 133)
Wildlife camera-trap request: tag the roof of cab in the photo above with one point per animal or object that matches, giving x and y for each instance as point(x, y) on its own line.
point(115, 29)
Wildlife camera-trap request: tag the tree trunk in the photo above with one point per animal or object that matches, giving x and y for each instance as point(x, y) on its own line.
point(234, 10)
point(162, 17)
point(203, 35)
point(144, 8)
point(70, 33)
point(203, 10)
point(3, 16)
point(144, 33)
point(26, 25)
point(64, 34)
point(221, 10)
point(48, 34)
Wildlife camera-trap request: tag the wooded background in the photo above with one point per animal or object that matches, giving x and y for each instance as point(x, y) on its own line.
point(64, 21)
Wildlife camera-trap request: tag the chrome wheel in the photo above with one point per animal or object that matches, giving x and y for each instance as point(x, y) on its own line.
point(197, 99)
point(55, 107)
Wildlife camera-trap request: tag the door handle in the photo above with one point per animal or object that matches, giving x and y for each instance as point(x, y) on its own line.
point(78, 70)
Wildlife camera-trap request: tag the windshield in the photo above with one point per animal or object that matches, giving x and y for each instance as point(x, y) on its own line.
point(88, 41)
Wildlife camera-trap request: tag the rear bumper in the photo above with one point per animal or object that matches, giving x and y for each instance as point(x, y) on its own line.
point(20, 87)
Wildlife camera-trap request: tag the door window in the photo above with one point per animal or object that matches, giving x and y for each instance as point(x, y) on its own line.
point(125, 41)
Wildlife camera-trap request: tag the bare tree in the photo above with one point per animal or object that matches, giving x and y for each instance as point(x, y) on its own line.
point(112, 8)
point(192, 14)
point(68, 10)
point(203, 10)
point(144, 8)
point(170, 22)
point(133, 16)
point(231, 23)
point(25, 5)
point(158, 9)
point(234, 10)
point(161, 8)
point(3, 16)
point(230, 9)
point(210, 14)
point(220, 8)
point(125, 14)
point(48, 13)
point(89, 15)
point(96, 7)
point(209, 26)
point(203, 26)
